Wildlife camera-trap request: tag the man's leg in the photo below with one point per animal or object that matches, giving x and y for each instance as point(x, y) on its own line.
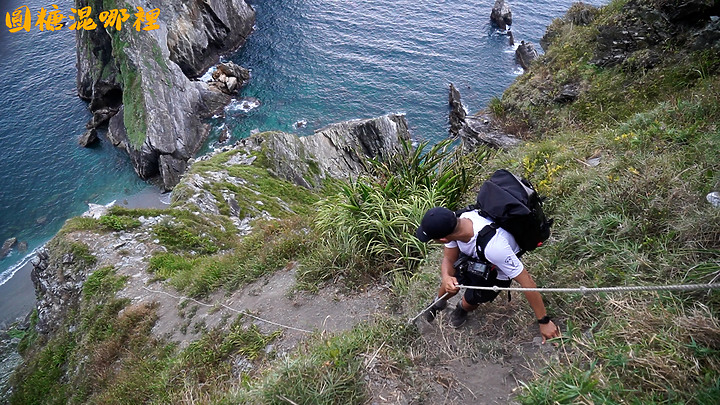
point(438, 305)
point(472, 299)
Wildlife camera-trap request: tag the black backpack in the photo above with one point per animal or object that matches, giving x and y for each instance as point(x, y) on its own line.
point(513, 204)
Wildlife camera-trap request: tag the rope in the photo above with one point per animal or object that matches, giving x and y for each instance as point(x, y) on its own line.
point(587, 290)
point(428, 307)
point(229, 308)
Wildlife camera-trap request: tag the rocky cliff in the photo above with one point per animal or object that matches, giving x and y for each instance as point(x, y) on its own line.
point(230, 189)
point(142, 79)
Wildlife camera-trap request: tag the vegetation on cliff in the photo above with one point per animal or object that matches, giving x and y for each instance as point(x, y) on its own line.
point(625, 151)
point(626, 166)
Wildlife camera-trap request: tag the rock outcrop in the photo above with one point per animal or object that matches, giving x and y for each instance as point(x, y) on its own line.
point(646, 25)
point(501, 15)
point(58, 280)
point(579, 14)
point(7, 247)
point(336, 151)
point(476, 130)
point(88, 138)
point(144, 76)
point(228, 77)
point(525, 54)
point(457, 111)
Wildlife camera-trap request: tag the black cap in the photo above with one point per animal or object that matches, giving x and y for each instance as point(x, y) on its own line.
point(437, 223)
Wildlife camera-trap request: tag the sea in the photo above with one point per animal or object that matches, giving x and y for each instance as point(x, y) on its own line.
point(313, 63)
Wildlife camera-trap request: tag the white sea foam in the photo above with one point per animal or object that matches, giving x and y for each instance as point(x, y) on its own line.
point(243, 105)
point(9, 273)
point(166, 197)
point(207, 77)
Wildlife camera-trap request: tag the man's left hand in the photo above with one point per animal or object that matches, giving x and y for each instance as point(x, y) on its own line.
point(549, 331)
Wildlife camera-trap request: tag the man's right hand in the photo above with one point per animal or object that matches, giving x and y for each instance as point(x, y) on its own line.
point(449, 284)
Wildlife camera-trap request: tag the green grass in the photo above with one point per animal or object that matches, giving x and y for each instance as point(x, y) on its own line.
point(255, 189)
point(369, 224)
point(639, 217)
point(272, 246)
point(328, 369)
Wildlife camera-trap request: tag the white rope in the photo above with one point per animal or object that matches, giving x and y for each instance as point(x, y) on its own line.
point(587, 290)
point(428, 307)
point(229, 308)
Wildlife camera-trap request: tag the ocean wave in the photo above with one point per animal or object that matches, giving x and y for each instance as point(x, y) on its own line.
point(9, 273)
point(243, 105)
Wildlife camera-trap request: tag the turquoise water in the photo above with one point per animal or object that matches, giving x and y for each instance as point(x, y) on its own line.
point(326, 61)
point(316, 61)
point(46, 177)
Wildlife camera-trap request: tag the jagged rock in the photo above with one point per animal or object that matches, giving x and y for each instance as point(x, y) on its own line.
point(7, 247)
point(101, 117)
point(58, 283)
point(568, 93)
point(339, 150)
point(480, 129)
point(689, 12)
point(171, 168)
point(231, 69)
point(457, 111)
point(708, 37)
point(475, 130)
point(88, 138)
point(68, 258)
point(228, 77)
point(196, 43)
point(224, 136)
point(163, 110)
point(501, 14)
point(525, 54)
point(646, 25)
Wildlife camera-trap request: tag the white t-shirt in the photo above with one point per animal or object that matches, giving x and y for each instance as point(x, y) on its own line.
point(501, 250)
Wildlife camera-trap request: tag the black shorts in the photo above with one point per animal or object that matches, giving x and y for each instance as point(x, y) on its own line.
point(475, 297)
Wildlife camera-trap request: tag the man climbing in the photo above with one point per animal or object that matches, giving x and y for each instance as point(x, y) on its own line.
point(499, 266)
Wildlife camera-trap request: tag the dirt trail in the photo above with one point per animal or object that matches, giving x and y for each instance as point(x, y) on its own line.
point(471, 363)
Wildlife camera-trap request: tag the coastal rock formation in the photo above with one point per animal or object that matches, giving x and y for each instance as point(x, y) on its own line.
point(501, 14)
point(476, 130)
point(88, 138)
point(338, 151)
point(228, 77)
point(457, 111)
point(58, 280)
point(204, 30)
point(7, 247)
point(525, 54)
point(144, 76)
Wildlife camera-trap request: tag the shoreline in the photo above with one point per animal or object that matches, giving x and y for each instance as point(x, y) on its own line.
point(18, 291)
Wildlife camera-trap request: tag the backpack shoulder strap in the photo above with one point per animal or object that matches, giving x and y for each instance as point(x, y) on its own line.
point(483, 238)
